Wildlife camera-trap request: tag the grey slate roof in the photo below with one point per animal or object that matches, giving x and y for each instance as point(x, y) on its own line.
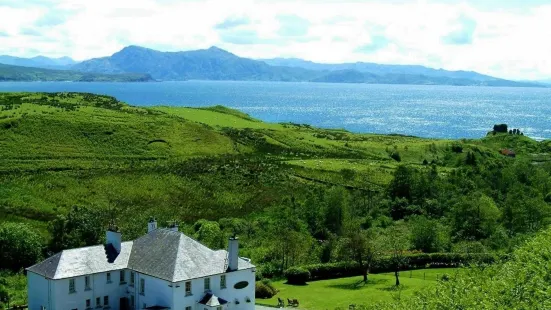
point(162, 253)
point(83, 261)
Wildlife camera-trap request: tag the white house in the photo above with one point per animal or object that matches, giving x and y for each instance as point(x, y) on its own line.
point(163, 269)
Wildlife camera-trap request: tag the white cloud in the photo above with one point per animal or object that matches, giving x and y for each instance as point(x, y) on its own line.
point(508, 42)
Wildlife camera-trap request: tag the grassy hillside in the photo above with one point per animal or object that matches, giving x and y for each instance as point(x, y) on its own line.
point(68, 149)
point(70, 162)
point(19, 73)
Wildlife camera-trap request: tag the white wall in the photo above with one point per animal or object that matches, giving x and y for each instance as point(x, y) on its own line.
point(157, 292)
point(181, 301)
point(99, 287)
point(38, 287)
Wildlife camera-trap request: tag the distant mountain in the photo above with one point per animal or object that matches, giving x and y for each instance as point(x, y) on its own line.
point(20, 73)
point(209, 64)
point(379, 69)
point(38, 62)
point(217, 64)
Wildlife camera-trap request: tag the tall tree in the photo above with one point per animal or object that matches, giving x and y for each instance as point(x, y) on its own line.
point(20, 246)
point(360, 245)
point(395, 242)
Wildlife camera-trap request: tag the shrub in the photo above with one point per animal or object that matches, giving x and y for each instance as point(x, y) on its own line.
point(297, 275)
point(264, 289)
point(457, 148)
point(396, 156)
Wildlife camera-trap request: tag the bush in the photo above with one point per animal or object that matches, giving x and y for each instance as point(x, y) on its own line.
point(396, 156)
point(264, 289)
point(457, 148)
point(297, 275)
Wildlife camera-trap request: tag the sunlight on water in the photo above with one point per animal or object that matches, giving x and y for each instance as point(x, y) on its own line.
point(428, 111)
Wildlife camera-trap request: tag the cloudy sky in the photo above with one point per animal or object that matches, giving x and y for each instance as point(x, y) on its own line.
point(505, 38)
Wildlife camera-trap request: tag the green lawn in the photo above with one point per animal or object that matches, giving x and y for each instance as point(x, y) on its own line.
point(340, 293)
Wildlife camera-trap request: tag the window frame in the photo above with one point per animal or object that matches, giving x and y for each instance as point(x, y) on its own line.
point(106, 300)
point(122, 277)
point(98, 302)
point(223, 280)
point(132, 278)
point(206, 284)
point(88, 303)
point(142, 286)
point(87, 286)
point(72, 286)
point(108, 277)
point(188, 291)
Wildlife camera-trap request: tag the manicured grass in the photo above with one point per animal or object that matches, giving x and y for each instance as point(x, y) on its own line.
point(340, 293)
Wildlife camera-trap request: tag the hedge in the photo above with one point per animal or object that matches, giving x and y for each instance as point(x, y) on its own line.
point(297, 275)
point(414, 261)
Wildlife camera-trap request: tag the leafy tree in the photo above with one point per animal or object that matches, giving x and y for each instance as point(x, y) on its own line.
point(209, 233)
point(395, 242)
point(525, 211)
point(20, 246)
point(401, 184)
point(360, 245)
point(428, 235)
point(336, 209)
point(474, 217)
point(82, 226)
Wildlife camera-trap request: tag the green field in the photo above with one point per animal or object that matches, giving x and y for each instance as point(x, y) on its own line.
point(340, 293)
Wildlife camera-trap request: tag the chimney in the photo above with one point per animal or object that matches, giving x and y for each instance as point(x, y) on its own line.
point(113, 237)
point(173, 226)
point(151, 225)
point(233, 253)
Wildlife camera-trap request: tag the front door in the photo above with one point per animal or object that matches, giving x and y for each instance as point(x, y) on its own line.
point(124, 304)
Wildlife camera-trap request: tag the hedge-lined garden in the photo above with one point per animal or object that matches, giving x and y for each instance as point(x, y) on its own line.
point(300, 275)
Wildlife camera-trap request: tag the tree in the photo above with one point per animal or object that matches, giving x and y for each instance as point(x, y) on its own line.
point(209, 234)
point(82, 226)
point(428, 235)
point(401, 184)
point(20, 246)
point(360, 245)
point(395, 242)
point(475, 217)
point(336, 209)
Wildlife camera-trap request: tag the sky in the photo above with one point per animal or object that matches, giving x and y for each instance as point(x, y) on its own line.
point(504, 38)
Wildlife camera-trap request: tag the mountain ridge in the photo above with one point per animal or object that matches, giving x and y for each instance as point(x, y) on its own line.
point(215, 63)
point(9, 73)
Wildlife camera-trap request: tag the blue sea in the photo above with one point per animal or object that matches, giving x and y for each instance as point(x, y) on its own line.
point(425, 111)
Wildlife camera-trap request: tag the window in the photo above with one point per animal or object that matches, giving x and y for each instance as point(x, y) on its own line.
point(87, 282)
point(142, 286)
point(105, 301)
point(72, 286)
point(88, 303)
point(188, 308)
point(98, 302)
point(188, 288)
point(207, 284)
point(219, 308)
point(223, 281)
point(132, 302)
point(108, 277)
point(121, 276)
point(132, 278)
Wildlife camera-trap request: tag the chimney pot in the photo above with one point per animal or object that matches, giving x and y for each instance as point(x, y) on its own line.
point(151, 225)
point(233, 253)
